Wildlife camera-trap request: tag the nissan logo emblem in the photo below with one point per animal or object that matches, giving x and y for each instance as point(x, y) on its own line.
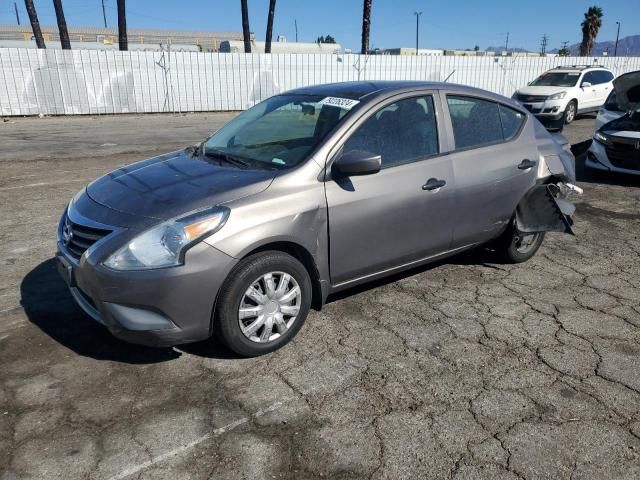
point(67, 233)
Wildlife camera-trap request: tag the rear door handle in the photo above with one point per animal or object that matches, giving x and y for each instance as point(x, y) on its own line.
point(526, 164)
point(433, 184)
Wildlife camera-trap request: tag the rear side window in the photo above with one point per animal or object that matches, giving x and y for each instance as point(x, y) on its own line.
point(475, 122)
point(402, 132)
point(601, 76)
point(511, 121)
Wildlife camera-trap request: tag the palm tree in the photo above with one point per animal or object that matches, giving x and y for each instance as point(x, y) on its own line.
point(62, 25)
point(366, 26)
point(590, 26)
point(35, 24)
point(123, 42)
point(246, 33)
point(272, 11)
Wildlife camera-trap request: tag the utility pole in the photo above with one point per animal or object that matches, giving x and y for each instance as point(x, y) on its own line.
point(543, 44)
point(615, 51)
point(15, 7)
point(104, 15)
point(295, 23)
point(506, 44)
point(417, 14)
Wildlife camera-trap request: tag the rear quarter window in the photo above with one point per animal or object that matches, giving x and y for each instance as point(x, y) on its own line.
point(511, 121)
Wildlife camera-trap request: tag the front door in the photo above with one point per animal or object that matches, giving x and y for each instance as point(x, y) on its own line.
point(493, 163)
point(402, 213)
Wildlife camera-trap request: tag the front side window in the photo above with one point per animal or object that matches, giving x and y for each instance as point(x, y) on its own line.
point(556, 79)
point(589, 77)
point(402, 132)
point(280, 132)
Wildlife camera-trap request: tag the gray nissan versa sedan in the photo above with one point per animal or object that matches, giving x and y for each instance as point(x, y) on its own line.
point(309, 192)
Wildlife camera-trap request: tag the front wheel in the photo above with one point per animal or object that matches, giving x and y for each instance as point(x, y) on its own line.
point(263, 303)
point(515, 246)
point(570, 112)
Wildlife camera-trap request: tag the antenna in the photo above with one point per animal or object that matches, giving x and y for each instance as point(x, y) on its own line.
point(104, 15)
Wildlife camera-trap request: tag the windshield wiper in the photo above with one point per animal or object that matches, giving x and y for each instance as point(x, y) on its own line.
point(225, 157)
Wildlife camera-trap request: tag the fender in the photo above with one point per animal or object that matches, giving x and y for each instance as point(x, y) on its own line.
point(545, 209)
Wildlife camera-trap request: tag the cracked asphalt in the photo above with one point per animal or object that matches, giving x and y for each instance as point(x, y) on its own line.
point(467, 369)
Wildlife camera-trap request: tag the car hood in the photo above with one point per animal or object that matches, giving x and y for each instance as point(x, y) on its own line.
point(627, 89)
point(541, 90)
point(169, 185)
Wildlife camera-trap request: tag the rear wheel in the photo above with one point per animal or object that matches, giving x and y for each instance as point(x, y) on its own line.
point(263, 303)
point(515, 246)
point(570, 112)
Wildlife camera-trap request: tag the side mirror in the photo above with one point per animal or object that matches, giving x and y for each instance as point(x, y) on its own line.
point(585, 84)
point(358, 162)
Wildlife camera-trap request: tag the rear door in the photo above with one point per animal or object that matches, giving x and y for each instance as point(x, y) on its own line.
point(603, 86)
point(494, 160)
point(391, 218)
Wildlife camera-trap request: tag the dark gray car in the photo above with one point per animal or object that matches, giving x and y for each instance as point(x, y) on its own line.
point(307, 193)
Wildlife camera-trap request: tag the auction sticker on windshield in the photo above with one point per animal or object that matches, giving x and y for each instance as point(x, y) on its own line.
point(345, 103)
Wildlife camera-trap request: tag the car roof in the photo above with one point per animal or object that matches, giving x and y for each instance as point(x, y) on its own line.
point(358, 90)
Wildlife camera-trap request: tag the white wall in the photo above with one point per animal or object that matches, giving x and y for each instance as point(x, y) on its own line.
point(67, 82)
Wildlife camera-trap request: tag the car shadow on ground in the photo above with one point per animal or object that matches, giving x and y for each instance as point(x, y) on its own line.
point(482, 255)
point(48, 305)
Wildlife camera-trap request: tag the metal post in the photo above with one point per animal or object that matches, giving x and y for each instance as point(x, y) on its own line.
point(104, 15)
point(15, 7)
point(417, 14)
point(615, 51)
point(295, 23)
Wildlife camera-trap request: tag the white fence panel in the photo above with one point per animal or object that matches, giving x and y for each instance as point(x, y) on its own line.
point(72, 82)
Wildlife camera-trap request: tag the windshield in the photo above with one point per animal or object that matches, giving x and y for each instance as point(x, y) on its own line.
point(280, 132)
point(556, 79)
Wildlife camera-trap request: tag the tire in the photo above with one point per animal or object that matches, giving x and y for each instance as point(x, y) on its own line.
point(273, 307)
point(570, 112)
point(510, 246)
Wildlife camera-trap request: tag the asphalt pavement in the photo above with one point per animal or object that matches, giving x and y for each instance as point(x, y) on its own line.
point(467, 369)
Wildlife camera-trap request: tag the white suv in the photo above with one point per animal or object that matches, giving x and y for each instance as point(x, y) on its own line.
point(558, 95)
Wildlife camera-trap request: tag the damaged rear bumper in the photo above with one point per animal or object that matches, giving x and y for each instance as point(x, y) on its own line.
point(545, 208)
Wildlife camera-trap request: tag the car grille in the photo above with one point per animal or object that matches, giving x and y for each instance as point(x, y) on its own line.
point(533, 110)
point(624, 153)
point(531, 98)
point(78, 238)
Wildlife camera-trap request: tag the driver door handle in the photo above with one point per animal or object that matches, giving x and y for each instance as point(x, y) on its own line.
point(433, 184)
point(526, 163)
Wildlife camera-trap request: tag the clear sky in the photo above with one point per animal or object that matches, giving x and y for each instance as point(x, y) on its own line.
point(444, 24)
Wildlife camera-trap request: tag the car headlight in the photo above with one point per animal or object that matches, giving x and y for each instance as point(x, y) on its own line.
point(557, 96)
point(601, 137)
point(164, 245)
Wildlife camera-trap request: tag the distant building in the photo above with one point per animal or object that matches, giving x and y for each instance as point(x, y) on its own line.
point(469, 53)
point(408, 51)
point(237, 46)
point(107, 38)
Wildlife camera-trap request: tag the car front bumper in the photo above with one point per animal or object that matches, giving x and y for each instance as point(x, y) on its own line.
point(597, 159)
point(159, 307)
